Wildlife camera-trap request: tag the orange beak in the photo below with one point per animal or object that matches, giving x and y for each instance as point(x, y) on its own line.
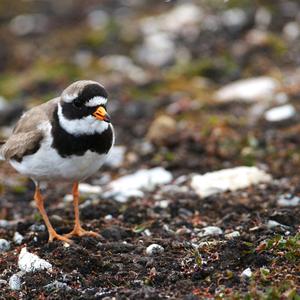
point(101, 114)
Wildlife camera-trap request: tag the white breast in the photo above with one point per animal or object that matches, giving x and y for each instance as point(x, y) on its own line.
point(47, 164)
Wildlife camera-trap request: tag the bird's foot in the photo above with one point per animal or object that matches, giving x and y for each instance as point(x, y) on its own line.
point(56, 236)
point(79, 231)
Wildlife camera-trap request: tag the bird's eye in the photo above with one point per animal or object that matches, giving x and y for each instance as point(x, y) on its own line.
point(77, 103)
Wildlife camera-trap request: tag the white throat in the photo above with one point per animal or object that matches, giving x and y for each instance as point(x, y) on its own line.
point(86, 125)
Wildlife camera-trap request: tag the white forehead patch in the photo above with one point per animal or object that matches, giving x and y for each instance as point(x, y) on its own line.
point(86, 125)
point(96, 101)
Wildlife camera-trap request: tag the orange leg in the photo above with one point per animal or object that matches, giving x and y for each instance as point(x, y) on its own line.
point(40, 205)
point(78, 230)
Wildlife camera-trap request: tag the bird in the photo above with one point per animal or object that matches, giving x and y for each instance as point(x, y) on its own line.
point(65, 139)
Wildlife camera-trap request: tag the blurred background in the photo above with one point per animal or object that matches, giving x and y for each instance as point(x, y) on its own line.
point(166, 65)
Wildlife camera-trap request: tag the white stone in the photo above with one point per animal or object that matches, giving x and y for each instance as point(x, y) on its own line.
point(234, 17)
point(29, 262)
point(132, 185)
point(15, 282)
point(86, 188)
point(247, 273)
point(115, 157)
point(4, 224)
point(158, 50)
point(97, 19)
point(18, 238)
point(232, 235)
point(292, 31)
point(182, 19)
point(248, 90)
point(154, 249)
point(4, 245)
point(272, 224)
point(123, 196)
point(125, 66)
point(68, 198)
point(209, 231)
point(288, 200)
point(228, 180)
point(3, 103)
point(280, 113)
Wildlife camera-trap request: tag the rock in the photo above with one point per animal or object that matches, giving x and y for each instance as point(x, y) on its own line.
point(28, 24)
point(4, 224)
point(15, 282)
point(18, 238)
point(263, 18)
point(123, 196)
point(157, 50)
point(37, 227)
point(56, 285)
point(161, 129)
point(125, 66)
point(232, 235)
point(131, 185)
point(86, 188)
point(3, 103)
point(154, 250)
point(291, 31)
point(188, 17)
point(280, 113)
point(247, 273)
point(288, 200)
point(97, 19)
point(115, 157)
point(272, 224)
point(209, 231)
point(29, 262)
point(228, 180)
point(248, 90)
point(4, 245)
point(234, 18)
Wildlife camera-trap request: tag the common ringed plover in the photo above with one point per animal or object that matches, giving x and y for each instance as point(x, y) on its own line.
point(65, 139)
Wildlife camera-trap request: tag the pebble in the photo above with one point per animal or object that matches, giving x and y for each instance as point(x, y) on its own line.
point(272, 224)
point(124, 65)
point(29, 262)
point(247, 273)
point(131, 185)
point(18, 238)
point(249, 90)
point(288, 200)
point(161, 129)
point(210, 231)
point(232, 235)
point(154, 250)
point(291, 31)
point(15, 282)
point(157, 50)
point(280, 113)
point(97, 19)
point(4, 245)
point(228, 180)
point(57, 285)
point(37, 227)
point(86, 188)
point(4, 224)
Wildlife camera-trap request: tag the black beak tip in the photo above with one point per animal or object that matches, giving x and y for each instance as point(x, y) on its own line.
point(107, 118)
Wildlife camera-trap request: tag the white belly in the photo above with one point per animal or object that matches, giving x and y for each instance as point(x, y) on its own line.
point(47, 164)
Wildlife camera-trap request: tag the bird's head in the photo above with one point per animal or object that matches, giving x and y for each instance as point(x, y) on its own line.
point(83, 99)
point(82, 108)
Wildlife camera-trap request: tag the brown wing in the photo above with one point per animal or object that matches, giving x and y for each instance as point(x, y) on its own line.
point(26, 136)
point(21, 144)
